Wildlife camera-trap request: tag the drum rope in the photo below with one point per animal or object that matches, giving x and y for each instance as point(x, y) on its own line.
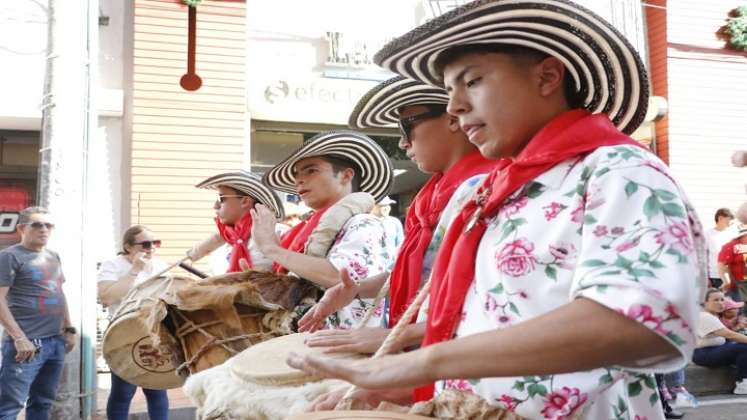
point(393, 337)
point(215, 342)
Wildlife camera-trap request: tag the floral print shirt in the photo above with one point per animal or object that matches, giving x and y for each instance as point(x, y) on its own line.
point(361, 248)
point(612, 227)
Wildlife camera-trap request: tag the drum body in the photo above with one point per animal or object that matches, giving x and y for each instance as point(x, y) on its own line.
point(217, 318)
point(128, 347)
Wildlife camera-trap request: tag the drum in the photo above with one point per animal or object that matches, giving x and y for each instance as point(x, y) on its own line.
point(128, 347)
point(258, 384)
point(218, 317)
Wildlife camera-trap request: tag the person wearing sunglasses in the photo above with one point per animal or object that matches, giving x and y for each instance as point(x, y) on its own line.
point(134, 264)
point(34, 314)
point(238, 193)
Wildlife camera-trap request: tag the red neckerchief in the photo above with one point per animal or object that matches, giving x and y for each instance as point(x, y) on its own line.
point(295, 239)
point(422, 218)
point(571, 134)
point(237, 235)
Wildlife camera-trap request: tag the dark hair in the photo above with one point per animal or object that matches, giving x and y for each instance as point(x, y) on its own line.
point(24, 216)
point(723, 212)
point(340, 164)
point(128, 238)
point(522, 54)
point(711, 291)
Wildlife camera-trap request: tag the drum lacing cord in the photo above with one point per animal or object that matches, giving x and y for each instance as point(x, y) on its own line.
point(392, 338)
point(189, 327)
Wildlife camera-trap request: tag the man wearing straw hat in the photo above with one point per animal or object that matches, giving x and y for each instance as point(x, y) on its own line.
point(238, 193)
point(433, 140)
point(325, 172)
point(573, 272)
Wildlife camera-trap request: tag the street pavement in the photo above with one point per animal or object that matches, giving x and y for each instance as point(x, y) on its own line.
point(718, 407)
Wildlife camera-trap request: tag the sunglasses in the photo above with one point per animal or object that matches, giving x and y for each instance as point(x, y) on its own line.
point(149, 244)
point(39, 225)
point(222, 198)
point(408, 123)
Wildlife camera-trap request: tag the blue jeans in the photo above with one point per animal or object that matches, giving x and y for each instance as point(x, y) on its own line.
point(674, 379)
point(726, 354)
point(33, 383)
point(118, 405)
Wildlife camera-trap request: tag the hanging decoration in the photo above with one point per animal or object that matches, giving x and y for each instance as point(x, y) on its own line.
point(736, 28)
point(190, 80)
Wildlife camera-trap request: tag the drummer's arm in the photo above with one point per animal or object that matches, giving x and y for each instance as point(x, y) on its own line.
point(205, 247)
point(369, 287)
point(314, 269)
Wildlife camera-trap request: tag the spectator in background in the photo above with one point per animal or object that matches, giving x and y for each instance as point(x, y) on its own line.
point(716, 238)
point(34, 314)
point(395, 234)
point(134, 264)
point(731, 318)
point(732, 265)
point(717, 345)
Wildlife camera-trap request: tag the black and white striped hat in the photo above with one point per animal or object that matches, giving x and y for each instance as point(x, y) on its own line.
point(376, 174)
point(379, 107)
point(609, 73)
point(247, 183)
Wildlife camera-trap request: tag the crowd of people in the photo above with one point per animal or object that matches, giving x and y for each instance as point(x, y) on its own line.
point(561, 261)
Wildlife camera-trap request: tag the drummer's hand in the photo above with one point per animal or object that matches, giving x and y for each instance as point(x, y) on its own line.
point(263, 228)
point(334, 299)
point(363, 340)
point(397, 371)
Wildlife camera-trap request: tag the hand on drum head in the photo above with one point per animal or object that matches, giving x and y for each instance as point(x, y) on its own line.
point(334, 299)
point(387, 372)
point(363, 340)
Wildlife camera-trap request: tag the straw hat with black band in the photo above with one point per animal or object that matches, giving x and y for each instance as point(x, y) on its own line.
point(609, 74)
point(373, 165)
point(379, 107)
point(249, 184)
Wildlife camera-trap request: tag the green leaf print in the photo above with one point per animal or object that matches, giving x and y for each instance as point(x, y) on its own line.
point(665, 195)
point(611, 273)
point(673, 210)
point(653, 398)
point(498, 289)
point(519, 386)
point(676, 338)
point(535, 189)
point(536, 389)
point(602, 288)
point(634, 389)
point(649, 381)
point(656, 264)
point(473, 382)
point(644, 257)
point(589, 219)
point(651, 207)
point(630, 188)
point(605, 379)
point(642, 272)
point(513, 308)
point(601, 172)
point(593, 263)
point(551, 272)
point(623, 262)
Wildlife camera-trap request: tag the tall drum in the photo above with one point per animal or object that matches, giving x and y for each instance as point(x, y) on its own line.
point(128, 347)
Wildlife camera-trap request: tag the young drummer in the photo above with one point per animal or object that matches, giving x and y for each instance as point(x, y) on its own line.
point(574, 272)
point(433, 140)
point(238, 193)
point(328, 168)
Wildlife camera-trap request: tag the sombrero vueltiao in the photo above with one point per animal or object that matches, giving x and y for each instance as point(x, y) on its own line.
point(247, 183)
point(379, 107)
point(376, 174)
point(608, 72)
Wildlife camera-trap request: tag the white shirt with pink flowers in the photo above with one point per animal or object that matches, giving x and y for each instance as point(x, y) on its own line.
point(614, 228)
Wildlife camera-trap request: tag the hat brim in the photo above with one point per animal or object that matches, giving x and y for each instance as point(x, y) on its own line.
point(247, 183)
point(376, 174)
point(609, 74)
point(379, 107)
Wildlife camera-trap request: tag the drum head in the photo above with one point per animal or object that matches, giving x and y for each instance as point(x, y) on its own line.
point(356, 414)
point(265, 364)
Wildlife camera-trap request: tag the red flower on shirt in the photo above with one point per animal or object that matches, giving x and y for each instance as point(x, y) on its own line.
point(516, 259)
point(561, 404)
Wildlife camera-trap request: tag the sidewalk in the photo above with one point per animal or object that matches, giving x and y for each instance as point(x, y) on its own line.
point(180, 407)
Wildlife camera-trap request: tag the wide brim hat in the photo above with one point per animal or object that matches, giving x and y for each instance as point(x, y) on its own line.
point(247, 183)
point(375, 169)
point(609, 74)
point(379, 107)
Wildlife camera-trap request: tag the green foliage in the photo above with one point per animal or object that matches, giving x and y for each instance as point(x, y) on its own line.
point(736, 28)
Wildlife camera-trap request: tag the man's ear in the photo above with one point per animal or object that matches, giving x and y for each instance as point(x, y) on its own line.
point(247, 203)
point(347, 175)
point(550, 76)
